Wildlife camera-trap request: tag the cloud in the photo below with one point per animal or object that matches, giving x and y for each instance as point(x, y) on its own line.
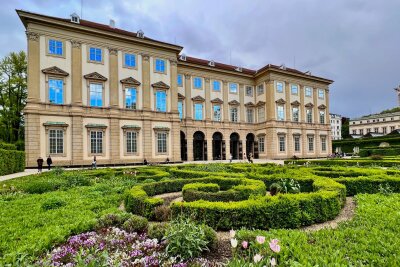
point(354, 42)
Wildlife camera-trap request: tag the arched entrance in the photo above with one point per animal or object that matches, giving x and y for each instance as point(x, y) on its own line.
point(249, 144)
point(236, 146)
point(218, 146)
point(199, 146)
point(183, 147)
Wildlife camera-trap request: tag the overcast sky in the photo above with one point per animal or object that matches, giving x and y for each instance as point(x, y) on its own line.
point(354, 43)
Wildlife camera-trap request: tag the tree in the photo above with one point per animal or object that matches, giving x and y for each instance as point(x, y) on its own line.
point(345, 127)
point(13, 94)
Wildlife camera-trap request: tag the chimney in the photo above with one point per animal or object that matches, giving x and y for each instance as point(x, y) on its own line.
point(112, 23)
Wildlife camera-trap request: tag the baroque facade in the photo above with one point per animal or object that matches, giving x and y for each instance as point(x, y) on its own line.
point(96, 90)
point(375, 125)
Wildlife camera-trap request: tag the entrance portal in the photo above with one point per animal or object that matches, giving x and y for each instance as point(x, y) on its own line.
point(217, 146)
point(250, 145)
point(236, 146)
point(199, 146)
point(183, 147)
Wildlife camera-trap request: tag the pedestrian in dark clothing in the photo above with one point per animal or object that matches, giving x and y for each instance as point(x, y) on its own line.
point(40, 164)
point(145, 161)
point(94, 163)
point(49, 162)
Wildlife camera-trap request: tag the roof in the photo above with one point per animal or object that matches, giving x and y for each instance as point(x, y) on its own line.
point(377, 116)
point(90, 24)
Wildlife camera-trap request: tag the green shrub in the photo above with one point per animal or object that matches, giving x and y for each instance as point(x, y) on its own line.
point(42, 186)
point(157, 230)
point(53, 203)
point(112, 220)
point(185, 239)
point(376, 157)
point(135, 224)
point(210, 237)
point(289, 186)
point(7, 146)
point(274, 189)
point(162, 213)
point(11, 161)
point(147, 181)
point(58, 170)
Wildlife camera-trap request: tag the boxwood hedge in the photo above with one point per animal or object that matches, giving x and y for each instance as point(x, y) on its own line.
point(11, 161)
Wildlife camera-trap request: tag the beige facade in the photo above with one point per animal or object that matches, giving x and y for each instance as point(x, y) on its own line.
point(94, 90)
point(377, 124)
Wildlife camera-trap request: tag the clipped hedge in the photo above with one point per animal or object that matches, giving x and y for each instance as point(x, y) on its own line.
point(383, 151)
point(369, 185)
point(7, 146)
point(11, 161)
point(344, 162)
point(347, 145)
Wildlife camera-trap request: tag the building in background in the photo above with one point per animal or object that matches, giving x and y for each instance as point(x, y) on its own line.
point(336, 126)
point(98, 91)
point(375, 125)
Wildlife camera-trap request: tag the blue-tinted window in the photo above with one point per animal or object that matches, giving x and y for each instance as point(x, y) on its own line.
point(197, 82)
point(198, 111)
point(217, 86)
point(96, 95)
point(55, 47)
point(95, 54)
point(279, 87)
point(321, 94)
point(281, 113)
point(295, 89)
point(217, 112)
point(130, 98)
point(161, 101)
point(160, 65)
point(56, 91)
point(180, 80)
point(130, 60)
point(180, 109)
point(308, 91)
point(233, 88)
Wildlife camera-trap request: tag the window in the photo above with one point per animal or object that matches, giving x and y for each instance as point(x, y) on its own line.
point(96, 95)
point(160, 65)
point(249, 90)
point(130, 60)
point(321, 116)
point(321, 94)
point(295, 114)
point(217, 86)
point(250, 115)
point(392, 128)
point(56, 91)
point(310, 143)
point(261, 144)
point(161, 101)
point(233, 88)
point(308, 91)
point(198, 111)
point(354, 131)
point(197, 82)
point(282, 143)
point(56, 141)
point(95, 54)
point(234, 114)
point(279, 87)
point(280, 113)
point(130, 98)
point(384, 129)
point(361, 131)
point(217, 112)
point(261, 114)
point(161, 142)
point(260, 89)
point(368, 130)
point(55, 47)
point(323, 143)
point(294, 89)
point(131, 142)
point(180, 80)
point(376, 130)
point(96, 142)
point(296, 143)
point(309, 115)
point(180, 109)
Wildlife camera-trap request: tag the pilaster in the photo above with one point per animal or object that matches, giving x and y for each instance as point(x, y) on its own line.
point(287, 99)
point(190, 147)
point(146, 95)
point(241, 101)
point(208, 103)
point(32, 139)
point(315, 108)
point(270, 100)
point(113, 83)
point(76, 76)
point(148, 139)
point(302, 108)
point(188, 101)
point(33, 71)
point(174, 85)
point(176, 141)
point(77, 140)
point(225, 108)
point(115, 142)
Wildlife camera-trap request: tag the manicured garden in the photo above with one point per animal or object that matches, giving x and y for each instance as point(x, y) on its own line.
point(169, 215)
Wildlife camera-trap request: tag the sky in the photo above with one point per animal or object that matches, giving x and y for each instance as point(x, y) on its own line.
point(356, 43)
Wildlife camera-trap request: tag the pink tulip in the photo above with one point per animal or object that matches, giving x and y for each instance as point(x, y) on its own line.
point(245, 244)
point(274, 245)
point(260, 239)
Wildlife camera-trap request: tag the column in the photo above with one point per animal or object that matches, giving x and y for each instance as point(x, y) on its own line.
point(113, 83)
point(148, 139)
point(328, 136)
point(225, 108)
point(77, 140)
point(33, 70)
point(302, 108)
point(303, 140)
point(174, 85)
point(189, 139)
point(176, 140)
point(146, 95)
point(208, 104)
point(209, 146)
point(241, 100)
point(287, 105)
point(76, 75)
point(115, 131)
point(317, 148)
point(188, 104)
point(32, 139)
point(290, 144)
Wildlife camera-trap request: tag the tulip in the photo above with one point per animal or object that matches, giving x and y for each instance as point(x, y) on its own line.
point(245, 244)
point(273, 262)
point(232, 233)
point(260, 239)
point(273, 245)
point(234, 242)
point(257, 258)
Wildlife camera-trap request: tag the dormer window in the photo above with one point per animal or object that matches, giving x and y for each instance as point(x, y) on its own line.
point(75, 18)
point(183, 57)
point(140, 34)
point(211, 63)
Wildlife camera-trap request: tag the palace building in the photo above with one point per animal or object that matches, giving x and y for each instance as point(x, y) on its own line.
point(97, 90)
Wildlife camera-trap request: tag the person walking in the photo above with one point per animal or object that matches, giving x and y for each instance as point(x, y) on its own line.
point(230, 158)
point(244, 156)
point(94, 163)
point(251, 158)
point(40, 164)
point(49, 162)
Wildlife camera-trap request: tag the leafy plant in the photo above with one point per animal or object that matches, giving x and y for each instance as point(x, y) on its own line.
point(275, 188)
point(53, 203)
point(112, 219)
point(289, 186)
point(157, 230)
point(135, 224)
point(162, 213)
point(385, 189)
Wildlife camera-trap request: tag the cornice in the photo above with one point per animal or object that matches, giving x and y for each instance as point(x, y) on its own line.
point(32, 36)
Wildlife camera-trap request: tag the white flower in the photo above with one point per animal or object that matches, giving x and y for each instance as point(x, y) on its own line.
point(232, 233)
point(273, 262)
point(257, 258)
point(234, 242)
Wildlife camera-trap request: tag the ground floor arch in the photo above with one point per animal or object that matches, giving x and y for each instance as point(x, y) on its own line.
point(183, 147)
point(199, 146)
point(236, 146)
point(250, 141)
point(218, 147)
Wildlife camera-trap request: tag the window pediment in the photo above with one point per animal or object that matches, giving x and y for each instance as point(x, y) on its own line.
point(55, 71)
point(280, 101)
point(180, 96)
point(130, 81)
point(198, 99)
point(217, 101)
point(95, 76)
point(249, 104)
point(131, 127)
point(234, 103)
point(160, 85)
point(309, 105)
point(161, 128)
point(55, 124)
point(322, 106)
point(96, 126)
point(260, 103)
point(295, 103)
